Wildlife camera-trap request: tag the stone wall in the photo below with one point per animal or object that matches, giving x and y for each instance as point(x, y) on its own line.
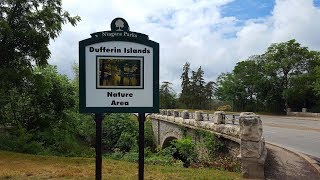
point(212, 122)
point(303, 113)
point(248, 144)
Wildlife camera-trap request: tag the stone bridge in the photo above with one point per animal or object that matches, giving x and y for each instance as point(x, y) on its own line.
point(243, 139)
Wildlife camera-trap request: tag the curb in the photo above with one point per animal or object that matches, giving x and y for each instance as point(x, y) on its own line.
point(311, 161)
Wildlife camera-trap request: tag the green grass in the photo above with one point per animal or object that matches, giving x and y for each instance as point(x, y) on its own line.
point(25, 166)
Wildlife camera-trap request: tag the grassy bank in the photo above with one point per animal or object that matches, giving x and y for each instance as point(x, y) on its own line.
point(24, 166)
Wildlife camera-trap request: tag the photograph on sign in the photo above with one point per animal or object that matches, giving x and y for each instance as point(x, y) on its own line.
point(119, 72)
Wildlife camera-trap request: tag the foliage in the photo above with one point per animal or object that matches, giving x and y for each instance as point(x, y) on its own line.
point(117, 125)
point(45, 112)
point(126, 141)
point(284, 76)
point(131, 156)
point(149, 139)
point(195, 93)
point(26, 29)
point(224, 108)
point(36, 102)
point(197, 89)
point(21, 141)
point(317, 82)
point(185, 150)
point(185, 85)
point(167, 96)
point(212, 143)
point(162, 157)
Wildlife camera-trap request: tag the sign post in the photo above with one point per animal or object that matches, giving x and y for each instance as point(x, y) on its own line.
point(118, 73)
point(141, 118)
point(98, 120)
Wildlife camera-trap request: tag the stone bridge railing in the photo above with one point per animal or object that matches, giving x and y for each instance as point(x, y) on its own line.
point(248, 134)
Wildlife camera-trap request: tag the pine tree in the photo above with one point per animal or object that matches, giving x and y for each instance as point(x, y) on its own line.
point(209, 93)
point(185, 85)
point(197, 89)
point(167, 96)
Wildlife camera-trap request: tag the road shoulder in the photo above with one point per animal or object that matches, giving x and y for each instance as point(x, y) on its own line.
point(282, 163)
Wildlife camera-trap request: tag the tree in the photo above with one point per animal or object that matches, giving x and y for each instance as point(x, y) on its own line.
point(185, 85)
point(209, 93)
point(284, 61)
point(26, 28)
point(35, 99)
point(284, 76)
point(197, 89)
point(167, 96)
point(317, 82)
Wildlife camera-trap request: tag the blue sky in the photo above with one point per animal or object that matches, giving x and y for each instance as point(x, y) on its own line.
point(248, 9)
point(316, 3)
point(214, 34)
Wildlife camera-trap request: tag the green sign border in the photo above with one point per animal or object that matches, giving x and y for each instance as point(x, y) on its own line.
point(82, 74)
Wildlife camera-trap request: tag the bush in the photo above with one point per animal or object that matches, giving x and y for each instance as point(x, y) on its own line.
point(185, 150)
point(20, 141)
point(224, 108)
point(114, 125)
point(117, 155)
point(162, 157)
point(149, 139)
point(126, 142)
point(211, 143)
point(131, 156)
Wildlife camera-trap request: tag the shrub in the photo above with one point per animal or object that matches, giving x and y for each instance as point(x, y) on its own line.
point(117, 154)
point(224, 108)
point(20, 141)
point(131, 156)
point(211, 143)
point(149, 140)
point(113, 127)
point(185, 150)
point(126, 142)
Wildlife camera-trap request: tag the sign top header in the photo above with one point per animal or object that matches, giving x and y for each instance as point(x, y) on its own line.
point(120, 28)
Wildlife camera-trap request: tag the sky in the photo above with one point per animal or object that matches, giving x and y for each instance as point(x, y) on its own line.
point(213, 34)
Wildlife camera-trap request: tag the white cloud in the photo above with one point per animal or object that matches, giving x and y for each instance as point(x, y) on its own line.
point(297, 19)
point(191, 31)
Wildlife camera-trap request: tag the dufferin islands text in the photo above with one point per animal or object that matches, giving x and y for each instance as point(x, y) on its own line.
point(118, 50)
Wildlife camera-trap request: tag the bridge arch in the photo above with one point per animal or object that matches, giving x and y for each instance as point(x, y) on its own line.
point(167, 141)
point(169, 137)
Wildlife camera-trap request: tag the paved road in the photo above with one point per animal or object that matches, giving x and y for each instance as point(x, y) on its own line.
point(299, 133)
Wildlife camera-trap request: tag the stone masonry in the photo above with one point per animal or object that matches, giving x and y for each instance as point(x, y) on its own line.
point(253, 152)
point(248, 134)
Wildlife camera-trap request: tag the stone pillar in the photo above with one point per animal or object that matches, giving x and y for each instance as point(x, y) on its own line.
point(175, 113)
point(288, 111)
point(185, 114)
point(218, 117)
point(165, 112)
point(198, 116)
point(252, 146)
point(304, 110)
